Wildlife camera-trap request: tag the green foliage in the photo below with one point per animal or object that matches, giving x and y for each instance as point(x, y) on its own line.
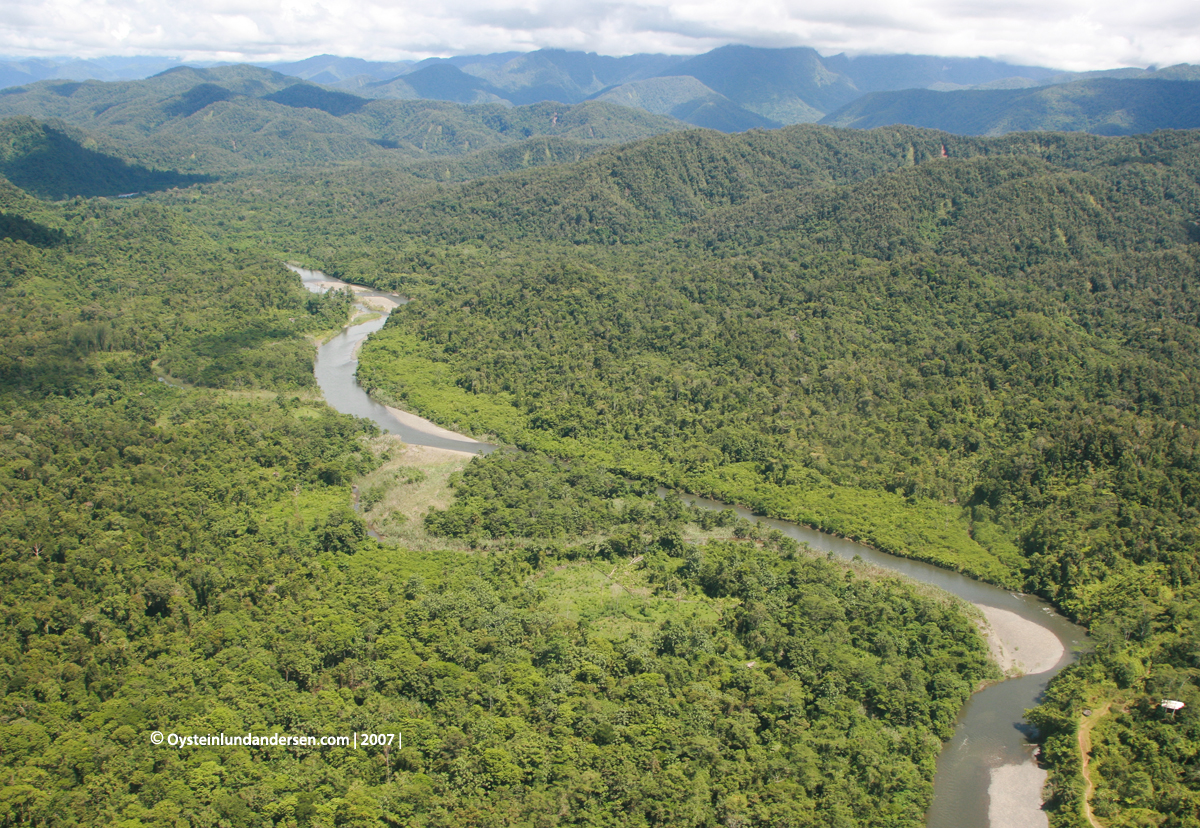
point(530, 496)
point(244, 119)
point(1102, 106)
point(988, 360)
point(187, 561)
point(311, 96)
point(127, 285)
point(50, 163)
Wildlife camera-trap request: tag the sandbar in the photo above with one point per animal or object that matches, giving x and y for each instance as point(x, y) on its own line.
point(326, 284)
point(423, 425)
point(1019, 646)
point(380, 303)
point(1015, 797)
point(428, 455)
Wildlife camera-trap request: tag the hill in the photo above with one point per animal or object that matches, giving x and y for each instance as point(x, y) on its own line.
point(330, 69)
point(689, 100)
point(244, 118)
point(786, 85)
point(52, 163)
point(638, 193)
point(561, 75)
point(439, 82)
point(1103, 106)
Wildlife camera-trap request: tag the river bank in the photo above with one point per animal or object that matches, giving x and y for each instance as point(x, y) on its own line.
point(427, 427)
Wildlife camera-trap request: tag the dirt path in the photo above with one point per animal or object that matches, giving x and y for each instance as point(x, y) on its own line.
point(1085, 749)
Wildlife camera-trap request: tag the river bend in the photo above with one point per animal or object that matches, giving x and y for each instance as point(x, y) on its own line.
point(987, 774)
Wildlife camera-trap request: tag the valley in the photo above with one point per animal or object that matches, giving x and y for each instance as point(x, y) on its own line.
point(976, 354)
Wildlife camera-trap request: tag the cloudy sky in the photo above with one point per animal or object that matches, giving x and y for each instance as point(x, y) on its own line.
point(1068, 34)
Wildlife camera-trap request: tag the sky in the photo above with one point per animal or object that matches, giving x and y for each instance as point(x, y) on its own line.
point(1066, 34)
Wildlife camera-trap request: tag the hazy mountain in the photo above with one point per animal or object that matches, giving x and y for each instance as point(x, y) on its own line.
point(1181, 71)
point(445, 82)
point(731, 89)
point(140, 106)
point(20, 71)
point(244, 117)
point(570, 77)
point(331, 69)
point(786, 85)
point(1104, 106)
point(689, 100)
point(738, 87)
point(882, 73)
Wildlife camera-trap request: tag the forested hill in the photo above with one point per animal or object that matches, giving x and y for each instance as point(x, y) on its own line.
point(653, 188)
point(244, 118)
point(1003, 244)
point(647, 189)
point(1102, 106)
point(53, 163)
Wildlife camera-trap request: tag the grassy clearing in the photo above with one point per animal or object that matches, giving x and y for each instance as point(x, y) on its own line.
point(614, 598)
point(412, 480)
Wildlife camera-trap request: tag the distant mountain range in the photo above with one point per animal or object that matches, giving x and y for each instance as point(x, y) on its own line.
point(20, 71)
point(1102, 106)
point(733, 88)
point(230, 119)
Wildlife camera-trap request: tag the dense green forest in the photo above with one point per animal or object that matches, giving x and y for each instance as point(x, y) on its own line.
point(180, 555)
point(979, 352)
point(986, 360)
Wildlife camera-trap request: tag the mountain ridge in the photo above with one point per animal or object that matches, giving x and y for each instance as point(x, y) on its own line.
point(224, 119)
point(758, 87)
point(1102, 106)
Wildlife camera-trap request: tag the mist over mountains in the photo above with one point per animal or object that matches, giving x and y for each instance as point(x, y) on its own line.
point(735, 88)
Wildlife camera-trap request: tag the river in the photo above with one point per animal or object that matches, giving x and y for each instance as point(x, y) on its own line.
point(987, 774)
point(337, 362)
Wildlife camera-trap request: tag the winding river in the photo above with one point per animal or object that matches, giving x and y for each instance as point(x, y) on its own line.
point(987, 773)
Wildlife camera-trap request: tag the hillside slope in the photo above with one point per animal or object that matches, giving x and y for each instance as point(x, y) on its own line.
point(52, 163)
point(1103, 106)
point(244, 118)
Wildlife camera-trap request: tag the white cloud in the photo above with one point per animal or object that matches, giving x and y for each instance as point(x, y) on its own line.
point(1071, 34)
